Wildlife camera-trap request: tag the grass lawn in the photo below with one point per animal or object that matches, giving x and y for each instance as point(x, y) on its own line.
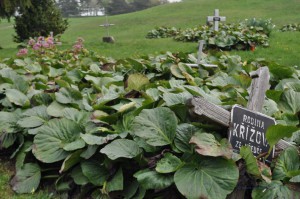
point(130, 30)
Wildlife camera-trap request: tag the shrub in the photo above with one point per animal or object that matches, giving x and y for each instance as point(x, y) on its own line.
point(39, 20)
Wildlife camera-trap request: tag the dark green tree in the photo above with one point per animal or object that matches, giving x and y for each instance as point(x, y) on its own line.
point(69, 8)
point(39, 19)
point(118, 7)
point(9, 7)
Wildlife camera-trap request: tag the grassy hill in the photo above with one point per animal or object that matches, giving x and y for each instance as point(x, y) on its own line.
point(130, 29)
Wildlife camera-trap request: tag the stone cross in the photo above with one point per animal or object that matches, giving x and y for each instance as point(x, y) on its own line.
point(106, 25)
point(108, 39)
point(200, 57)
point(216, 18)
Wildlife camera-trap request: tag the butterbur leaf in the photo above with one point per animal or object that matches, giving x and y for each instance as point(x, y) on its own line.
point(68, 95)
point(207, 178)
point(117, 182)
point(34, 117)
point(137, 81)
point(176, 98)
point(97, 140)
point(289, 101)
point(17, 97)
point(95, 172)
point(184, 133)
point(287, 161)
point(55, 109)
point(273, 190)
point(152, 180)
point(277, 132)
point(70, 161)
point(27, 178)
point(121, 148)
point(78, 176)
point(53, 137)
point(157, 126)
point(251, 162)
point(254, 166)
point(80, 117)
point(168, 164)
point(206, 144)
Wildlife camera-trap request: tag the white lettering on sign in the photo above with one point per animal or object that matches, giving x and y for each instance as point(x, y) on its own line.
point(253, 121)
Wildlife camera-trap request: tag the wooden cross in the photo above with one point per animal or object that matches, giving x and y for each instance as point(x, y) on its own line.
point(216, 18)
point(200, 62)
point(108, 39)
point(210, 112)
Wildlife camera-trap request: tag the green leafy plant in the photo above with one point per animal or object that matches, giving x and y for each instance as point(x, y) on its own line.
point(120, 128)
point(241, 36)
point(290, 27)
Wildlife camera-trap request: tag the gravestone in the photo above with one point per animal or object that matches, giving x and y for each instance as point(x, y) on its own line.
point(200, 63)
point(107, 38)
point(208, 111)
point(216, 19)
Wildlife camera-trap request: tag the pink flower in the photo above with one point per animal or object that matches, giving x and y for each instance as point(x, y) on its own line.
point(37, 46)
point(77, 47)
point(31, 42)
point(40, 38)
point(22, 52)
point(46, 45)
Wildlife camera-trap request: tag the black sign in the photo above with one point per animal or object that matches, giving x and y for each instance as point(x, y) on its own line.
point(217, 19)
point(249, 128)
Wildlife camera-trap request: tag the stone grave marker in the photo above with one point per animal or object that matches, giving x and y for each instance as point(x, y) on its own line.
point(107, 38)
point(208, 111)
point(200, 63)
point(216, 19)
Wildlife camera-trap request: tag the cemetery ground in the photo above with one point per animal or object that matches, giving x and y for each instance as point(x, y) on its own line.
point(130, 30)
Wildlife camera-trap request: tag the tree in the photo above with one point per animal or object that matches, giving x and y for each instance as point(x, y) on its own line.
point(69, 8)
point(9, 7)
point(41, 18)
point(118, 7)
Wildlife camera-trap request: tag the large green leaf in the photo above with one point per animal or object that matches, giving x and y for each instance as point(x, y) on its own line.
point(55, 109)
point(117, 182)
point(287, 161)
point(34, 117)
point(53, 137)
point(78, 176)
point(176, 98)
point(137, 81)
point(289, 101)
point(157, 126)
point(277, 132)
point(168, 164)
point(68, 95)
point(184, 133)
point(207, 178)
point(97, 140)
point(121, 148)
point(206, 144)
point(251, 162)
point(273, 190)
point(152, 180)
point(27, 178)
point(17, 97)
point(95, 172)
point(8, 122)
